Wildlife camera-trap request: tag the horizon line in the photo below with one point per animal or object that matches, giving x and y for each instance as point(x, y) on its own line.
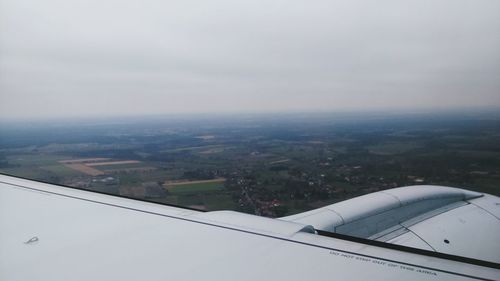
point(491, 110)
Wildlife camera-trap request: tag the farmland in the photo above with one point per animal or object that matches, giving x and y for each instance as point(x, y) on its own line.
point(195, 186)
point(267, 165)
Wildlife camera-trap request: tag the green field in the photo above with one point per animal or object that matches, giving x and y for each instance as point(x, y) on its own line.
point(196, 188)
point(61, 170)
point(38, 166)
point(35, 159)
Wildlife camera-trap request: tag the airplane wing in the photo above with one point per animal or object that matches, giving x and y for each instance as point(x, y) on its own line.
point(435, 218)
point(50, 232)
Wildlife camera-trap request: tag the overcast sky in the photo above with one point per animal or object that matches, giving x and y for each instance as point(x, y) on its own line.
point(103, 58)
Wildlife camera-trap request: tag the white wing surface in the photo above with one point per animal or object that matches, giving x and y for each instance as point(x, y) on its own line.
point(50, 232)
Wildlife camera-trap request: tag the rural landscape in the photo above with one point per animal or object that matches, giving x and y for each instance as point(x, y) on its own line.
point(269, 165)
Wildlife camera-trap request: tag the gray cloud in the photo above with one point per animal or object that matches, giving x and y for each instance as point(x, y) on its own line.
point(90, 58)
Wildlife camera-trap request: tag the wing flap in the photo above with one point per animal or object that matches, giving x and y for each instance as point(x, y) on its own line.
point(443, 219)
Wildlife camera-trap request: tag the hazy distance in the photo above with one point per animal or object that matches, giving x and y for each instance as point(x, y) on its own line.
point(67, 58)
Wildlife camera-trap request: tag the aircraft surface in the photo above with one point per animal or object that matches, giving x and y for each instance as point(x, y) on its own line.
point(52, 232)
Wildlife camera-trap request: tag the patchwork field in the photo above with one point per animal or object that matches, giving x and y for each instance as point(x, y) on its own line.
point(273, 166)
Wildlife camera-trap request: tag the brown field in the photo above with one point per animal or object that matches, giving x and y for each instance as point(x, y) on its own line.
point(83, 160)
point(186, 182)
point(85, 169)
point(113, 163)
